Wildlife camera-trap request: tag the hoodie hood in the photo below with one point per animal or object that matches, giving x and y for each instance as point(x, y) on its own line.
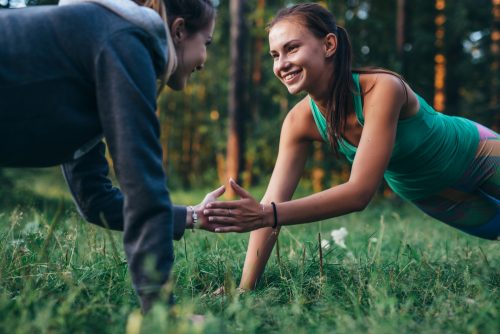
point(143, 17)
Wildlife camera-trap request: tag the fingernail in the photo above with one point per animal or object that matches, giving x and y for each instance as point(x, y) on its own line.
point(211, 219)
point(217, 230)
point(209, 205)
point(205, 212)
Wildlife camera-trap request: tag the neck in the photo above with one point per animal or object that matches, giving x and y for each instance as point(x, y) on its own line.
point(322, 94)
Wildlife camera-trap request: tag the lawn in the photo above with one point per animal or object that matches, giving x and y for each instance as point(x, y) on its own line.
point(400, 271)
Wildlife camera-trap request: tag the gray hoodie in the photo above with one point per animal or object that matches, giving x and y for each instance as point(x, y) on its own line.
point(84, 70)
point(140, 16)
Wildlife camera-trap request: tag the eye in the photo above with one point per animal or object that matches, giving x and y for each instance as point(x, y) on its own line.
point(292, 48)
point(274, 56)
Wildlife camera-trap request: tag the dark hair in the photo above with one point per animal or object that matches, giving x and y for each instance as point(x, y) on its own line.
point(196, 13)
point(320, 23)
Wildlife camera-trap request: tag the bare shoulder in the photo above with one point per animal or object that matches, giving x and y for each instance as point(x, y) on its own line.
point(390, 90)
point(299, 111)
point(381, 82)
point(299, 122)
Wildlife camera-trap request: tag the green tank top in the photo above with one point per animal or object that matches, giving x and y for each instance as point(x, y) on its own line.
point(431, 151)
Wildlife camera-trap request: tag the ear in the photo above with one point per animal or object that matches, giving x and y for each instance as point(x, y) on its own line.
point(330, 45)
point(178, 30)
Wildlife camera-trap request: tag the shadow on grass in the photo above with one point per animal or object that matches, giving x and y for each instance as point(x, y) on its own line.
point(43, 189)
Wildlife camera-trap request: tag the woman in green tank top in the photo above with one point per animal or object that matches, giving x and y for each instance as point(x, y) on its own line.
point(447, 166)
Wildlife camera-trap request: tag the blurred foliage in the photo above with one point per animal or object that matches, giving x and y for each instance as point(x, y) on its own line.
point(194, 122)
point(372, 28)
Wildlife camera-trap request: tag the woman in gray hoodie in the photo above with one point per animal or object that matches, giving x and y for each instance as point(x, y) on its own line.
point(74, 75)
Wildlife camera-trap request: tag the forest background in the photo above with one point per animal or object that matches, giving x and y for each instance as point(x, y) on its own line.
point(226, 123)
point(397, 272)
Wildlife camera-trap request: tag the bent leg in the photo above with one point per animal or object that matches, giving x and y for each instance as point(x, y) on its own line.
point(476, 213)
point(473, 203)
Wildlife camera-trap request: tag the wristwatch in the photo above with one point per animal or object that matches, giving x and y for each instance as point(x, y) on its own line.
point(194, 217)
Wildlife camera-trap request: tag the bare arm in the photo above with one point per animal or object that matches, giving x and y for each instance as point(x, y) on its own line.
point(287, 171)
point(382, 107)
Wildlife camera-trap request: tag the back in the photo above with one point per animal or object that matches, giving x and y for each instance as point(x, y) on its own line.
point(48, 104)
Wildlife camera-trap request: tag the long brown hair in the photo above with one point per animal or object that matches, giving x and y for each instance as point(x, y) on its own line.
point(320, 22)
point(197, 14)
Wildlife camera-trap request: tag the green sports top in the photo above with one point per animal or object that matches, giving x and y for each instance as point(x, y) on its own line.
point(431, 151)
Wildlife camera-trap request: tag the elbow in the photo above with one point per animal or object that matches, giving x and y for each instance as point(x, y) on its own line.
point(361, 200)
point(89, 214)
point(359, 206)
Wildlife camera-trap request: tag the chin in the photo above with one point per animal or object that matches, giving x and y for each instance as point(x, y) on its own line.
point(294, 90)
point(177, 82)
point(176, 85)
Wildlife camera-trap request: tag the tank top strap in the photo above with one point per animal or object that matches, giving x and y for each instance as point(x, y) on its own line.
point(320, 120)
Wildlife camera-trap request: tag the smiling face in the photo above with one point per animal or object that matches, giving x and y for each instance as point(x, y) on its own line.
point(302, 62)
point(191, 49)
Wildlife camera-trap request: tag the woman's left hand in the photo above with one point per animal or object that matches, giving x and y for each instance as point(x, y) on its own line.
point(243, 215)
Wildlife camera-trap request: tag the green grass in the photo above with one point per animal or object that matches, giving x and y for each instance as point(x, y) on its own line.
point(59, 274)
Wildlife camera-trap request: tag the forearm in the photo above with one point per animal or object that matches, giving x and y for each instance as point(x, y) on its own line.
point(333, 202)
point(260, 246)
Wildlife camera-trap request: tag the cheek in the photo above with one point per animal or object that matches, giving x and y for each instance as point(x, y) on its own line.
point(203, 55)
point(275, 69)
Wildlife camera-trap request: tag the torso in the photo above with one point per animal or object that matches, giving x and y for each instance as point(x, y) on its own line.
point(354, 129)
point(367, 83)
point(430, 149)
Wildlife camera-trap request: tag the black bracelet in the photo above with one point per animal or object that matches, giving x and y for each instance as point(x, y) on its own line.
point(275, 212)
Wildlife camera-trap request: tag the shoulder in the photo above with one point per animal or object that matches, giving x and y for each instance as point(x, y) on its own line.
point(299, 112)
point(380, 81)
point(383, 88)
point(299, 122)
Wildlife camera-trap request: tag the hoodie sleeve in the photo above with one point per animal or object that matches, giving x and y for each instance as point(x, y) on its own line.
point(125, 80)
point(95, 197)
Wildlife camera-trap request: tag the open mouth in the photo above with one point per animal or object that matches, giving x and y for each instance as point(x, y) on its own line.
point(291, 76)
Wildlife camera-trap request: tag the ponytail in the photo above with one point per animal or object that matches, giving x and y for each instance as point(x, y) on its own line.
point(340, 102)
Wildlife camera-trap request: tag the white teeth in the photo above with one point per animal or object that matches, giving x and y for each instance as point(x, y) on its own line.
point(290, 76)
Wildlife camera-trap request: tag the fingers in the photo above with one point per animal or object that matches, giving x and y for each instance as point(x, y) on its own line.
point(219, 212)
point(222, 220)
point(223, 205)
point(239, 190)
point(228, 229)
point(218, 192)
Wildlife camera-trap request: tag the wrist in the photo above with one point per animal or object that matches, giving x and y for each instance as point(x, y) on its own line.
point(267, 215)
point(191, 217)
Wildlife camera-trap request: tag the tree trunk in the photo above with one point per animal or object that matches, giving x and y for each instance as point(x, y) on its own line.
point(495, 63)
point(400, 27)
point(236, 105)
point(440, 59)
point(257, 53)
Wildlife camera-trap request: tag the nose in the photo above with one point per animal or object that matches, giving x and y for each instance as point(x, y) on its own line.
point(280, 64)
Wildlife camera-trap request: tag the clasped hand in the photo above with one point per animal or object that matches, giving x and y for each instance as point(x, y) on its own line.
point(243, 215)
